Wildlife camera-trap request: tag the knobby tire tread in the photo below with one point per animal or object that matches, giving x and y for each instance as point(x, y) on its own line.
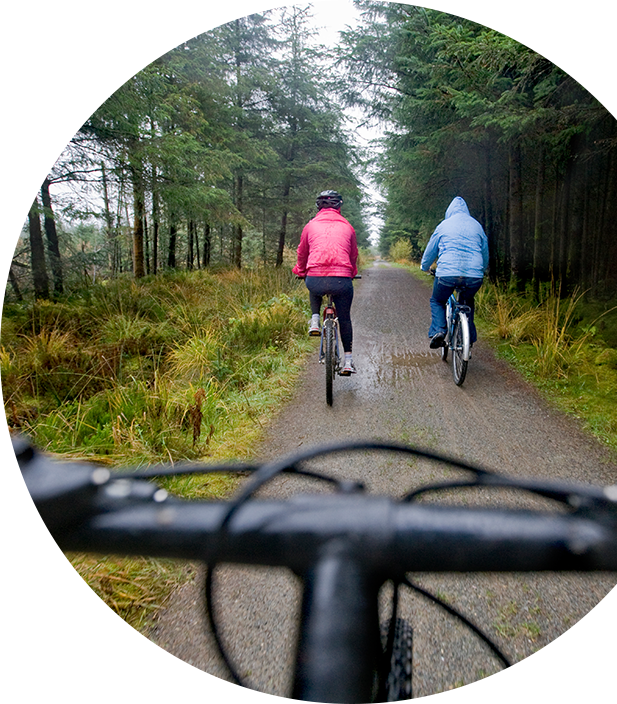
point(398, 683)
point(329, 346)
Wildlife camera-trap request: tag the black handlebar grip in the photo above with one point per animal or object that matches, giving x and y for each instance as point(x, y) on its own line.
point(63, 493)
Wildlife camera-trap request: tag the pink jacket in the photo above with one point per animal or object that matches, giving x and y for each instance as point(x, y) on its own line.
point(327, 246)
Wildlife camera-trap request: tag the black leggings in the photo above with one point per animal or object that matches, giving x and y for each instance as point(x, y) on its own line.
point(341, 288)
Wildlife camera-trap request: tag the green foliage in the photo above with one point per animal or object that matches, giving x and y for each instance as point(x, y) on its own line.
point(471, 112)
point(153, 370)
point(400, 250)
point(228, 137)
point(559, 348)
point(270, 325)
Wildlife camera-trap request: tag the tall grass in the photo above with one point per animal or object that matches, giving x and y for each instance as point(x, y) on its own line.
point(183, 366)
point(118, 379)
point(559, 348)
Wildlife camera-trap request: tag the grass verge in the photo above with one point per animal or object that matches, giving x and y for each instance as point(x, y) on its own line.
point(565, 347)
point(557, 348)
point(181, 367)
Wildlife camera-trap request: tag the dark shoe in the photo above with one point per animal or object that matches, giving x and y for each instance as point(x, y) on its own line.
point(437, 341)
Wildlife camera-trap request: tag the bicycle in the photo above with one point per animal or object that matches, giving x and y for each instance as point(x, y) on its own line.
point(345, 546)
point(457, 339)
point(329, 349)
point(329, 353)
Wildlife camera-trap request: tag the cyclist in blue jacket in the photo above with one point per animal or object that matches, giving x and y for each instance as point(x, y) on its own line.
point(460, 247)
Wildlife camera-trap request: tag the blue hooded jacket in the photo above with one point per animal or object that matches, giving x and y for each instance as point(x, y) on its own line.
point(458, 243)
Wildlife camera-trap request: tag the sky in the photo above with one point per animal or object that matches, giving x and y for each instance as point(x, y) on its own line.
point(330, 17)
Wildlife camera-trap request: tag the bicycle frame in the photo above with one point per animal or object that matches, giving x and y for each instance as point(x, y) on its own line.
point(457, 337)
point(453, 311)
point(329, 313)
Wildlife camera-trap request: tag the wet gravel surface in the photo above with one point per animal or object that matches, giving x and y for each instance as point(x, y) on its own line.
point(403, 391)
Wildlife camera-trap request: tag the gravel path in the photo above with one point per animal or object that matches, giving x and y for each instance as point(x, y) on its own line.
point(403, 391)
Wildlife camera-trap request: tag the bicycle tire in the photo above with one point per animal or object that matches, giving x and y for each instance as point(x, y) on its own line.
point(398, 683)
point(460, 348)
point(329, 354)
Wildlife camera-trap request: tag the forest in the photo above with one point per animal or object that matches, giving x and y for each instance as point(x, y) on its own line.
point(151, 314)
point(213, 154)
point(144, 136)
point(474, 113)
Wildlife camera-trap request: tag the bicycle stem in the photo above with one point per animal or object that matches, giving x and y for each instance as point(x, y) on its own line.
point(338, 649)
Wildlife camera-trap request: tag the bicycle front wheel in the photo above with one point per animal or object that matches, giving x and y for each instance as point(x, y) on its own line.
point(329, 333)
point(460, 348)
point(398, 682)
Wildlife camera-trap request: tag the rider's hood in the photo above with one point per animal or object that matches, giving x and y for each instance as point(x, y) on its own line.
point(456, 207)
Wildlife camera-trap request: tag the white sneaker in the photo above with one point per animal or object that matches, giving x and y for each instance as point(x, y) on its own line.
point(314, 329)
point(348, 368)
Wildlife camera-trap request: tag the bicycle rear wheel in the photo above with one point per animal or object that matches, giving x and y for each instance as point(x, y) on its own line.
point(460, 348)
point(330, 356)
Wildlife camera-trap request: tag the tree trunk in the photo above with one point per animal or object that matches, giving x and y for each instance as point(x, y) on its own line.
point(538, 231)
point(53, 247)
point(489, 226)
point(171, 258)
point(37, 250)
point(517, 265)
point(15, 284)
point(283, 230)
point(155, 223)
point(190, 250)
point(207, 245)
point(138, 225)
point(112, 236)
point(562, 250)
point(146, 244)
point(282, 238)
point(197, 251)
point(238, 232)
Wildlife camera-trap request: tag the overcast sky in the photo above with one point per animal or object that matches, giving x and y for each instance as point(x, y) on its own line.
point(330, 17)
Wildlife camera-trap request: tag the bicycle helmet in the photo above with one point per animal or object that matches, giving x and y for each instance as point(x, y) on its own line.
point(329, 199)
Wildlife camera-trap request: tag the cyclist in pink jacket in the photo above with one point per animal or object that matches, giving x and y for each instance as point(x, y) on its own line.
point(327, 260)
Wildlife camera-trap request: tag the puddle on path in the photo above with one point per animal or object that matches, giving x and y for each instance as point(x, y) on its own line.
point(412, 360)
point(383, 369)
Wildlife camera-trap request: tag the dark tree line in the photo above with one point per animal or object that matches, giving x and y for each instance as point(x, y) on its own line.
point(474, 113)
point(212, 154)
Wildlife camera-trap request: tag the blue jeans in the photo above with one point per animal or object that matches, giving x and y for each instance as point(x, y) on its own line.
point(341, 288)
point(442, 290)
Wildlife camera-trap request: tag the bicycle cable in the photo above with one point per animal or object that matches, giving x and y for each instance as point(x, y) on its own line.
point(269, 471)
point(452, 611)
point(261, 475)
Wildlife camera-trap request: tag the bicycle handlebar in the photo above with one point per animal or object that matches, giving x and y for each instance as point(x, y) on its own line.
point(344, 546)
point(87, 509)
